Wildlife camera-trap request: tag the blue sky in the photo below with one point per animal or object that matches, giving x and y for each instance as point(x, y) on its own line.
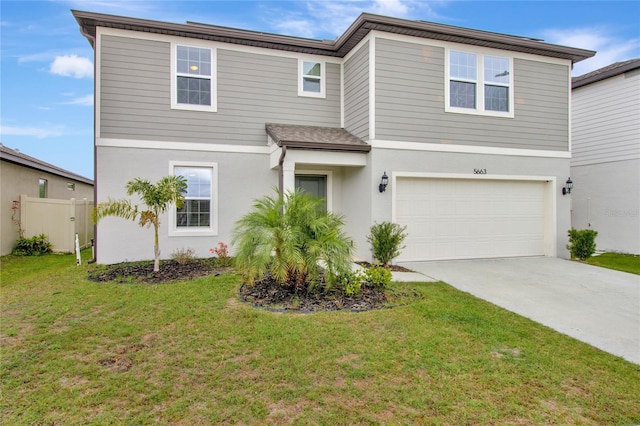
point(46, 80)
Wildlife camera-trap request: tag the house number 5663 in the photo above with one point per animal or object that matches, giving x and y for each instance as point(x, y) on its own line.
point(479, 171)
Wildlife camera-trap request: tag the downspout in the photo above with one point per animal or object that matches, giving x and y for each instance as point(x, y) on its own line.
point(283, 154)
point(94, 248)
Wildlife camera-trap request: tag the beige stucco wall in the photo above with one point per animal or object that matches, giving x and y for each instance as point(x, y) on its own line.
point(16, 180)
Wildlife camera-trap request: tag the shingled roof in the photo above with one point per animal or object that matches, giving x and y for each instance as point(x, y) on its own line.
point(17, 157)
point(339, 47)
point(605, 72)
point(315, 137)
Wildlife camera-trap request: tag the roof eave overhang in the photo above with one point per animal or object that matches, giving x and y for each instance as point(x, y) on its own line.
point(356, 32)
point(323, 146)
point(605, 75)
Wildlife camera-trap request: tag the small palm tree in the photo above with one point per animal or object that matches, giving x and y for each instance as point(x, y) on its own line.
point(158, 198)
point(289, 236)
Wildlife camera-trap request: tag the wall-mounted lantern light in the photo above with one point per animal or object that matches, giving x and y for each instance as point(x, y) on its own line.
point(384, 181)
point(568, 186)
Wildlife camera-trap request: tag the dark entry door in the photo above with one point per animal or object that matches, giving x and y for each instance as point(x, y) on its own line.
point(313, 184)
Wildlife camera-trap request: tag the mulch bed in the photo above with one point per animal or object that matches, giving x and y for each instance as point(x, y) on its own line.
point(272, 296)
point(265, 294)
point(394, 268)
point(142, 272)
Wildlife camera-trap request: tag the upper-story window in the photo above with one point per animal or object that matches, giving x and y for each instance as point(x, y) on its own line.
point(311, 80)
point(479, 84)
point(193, 80)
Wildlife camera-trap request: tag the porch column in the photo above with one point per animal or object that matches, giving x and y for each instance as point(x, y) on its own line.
point(288, 176)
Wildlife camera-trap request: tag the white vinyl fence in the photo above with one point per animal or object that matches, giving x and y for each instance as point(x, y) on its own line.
point(60, 220)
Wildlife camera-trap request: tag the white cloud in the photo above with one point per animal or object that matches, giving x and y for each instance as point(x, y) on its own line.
point(396, 8)
point(72, 66)
point(83, 100)
point(36, 132)
point(330, 18)
point(609, 48)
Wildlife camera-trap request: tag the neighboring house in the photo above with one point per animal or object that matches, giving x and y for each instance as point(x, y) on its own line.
point(470, 127)
point(21, 174)
point(605, 166)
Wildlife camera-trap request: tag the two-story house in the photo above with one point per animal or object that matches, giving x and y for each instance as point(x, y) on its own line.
point(462, 135)
point(605, 164)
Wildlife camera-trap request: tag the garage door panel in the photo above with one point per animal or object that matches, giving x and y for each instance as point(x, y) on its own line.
point(465, 219)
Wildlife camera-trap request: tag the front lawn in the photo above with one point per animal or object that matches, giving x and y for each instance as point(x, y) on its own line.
point(81, 352)
point(619, 261)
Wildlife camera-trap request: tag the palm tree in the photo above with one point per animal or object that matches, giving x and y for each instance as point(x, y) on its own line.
point(158, 198)
point(289, 236)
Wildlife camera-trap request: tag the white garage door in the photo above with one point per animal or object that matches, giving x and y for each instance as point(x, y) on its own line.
point(470, 218)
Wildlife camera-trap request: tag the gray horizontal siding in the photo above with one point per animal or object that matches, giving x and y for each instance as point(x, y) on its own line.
point(135, 101)
point(356, 93)
point(410, 103)
point(606, 121)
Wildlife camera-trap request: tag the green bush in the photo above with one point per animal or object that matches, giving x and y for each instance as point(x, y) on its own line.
point(386, 239)
point(289, 236)
point(582, 243)
point(378, 276)
point(34, 246)
point(350, 282)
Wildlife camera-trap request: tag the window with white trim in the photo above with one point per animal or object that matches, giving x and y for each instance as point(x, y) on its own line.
point(311, 80)
point(193, 80)
point(479, 84)
point(199, 212)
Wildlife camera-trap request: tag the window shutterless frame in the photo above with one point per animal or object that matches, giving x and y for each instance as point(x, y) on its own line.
point(199, 215)
point(311, 78)
point(478, 83)
point(193, 78)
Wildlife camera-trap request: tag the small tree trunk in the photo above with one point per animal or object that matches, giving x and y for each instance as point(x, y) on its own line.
point(156, 250)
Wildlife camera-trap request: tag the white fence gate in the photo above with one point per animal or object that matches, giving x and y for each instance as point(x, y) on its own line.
point(60, 220)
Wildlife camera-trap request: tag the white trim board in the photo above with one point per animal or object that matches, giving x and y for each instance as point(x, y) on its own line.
point(466, 149)
point(182, 146)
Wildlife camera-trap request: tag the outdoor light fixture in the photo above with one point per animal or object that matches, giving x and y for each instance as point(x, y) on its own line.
point(566, 189)
point(384, 181)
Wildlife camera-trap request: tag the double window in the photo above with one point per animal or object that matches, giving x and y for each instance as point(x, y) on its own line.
point(199, 213)
point(480, 84)
point(311, 80)
point(193, 82)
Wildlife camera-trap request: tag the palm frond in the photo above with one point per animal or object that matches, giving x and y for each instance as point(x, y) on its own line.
point(118, 208)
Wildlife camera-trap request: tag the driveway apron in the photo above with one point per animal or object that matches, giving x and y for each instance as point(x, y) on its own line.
point(598, 306)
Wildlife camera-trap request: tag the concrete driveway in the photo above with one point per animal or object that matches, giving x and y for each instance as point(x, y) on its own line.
point(595, 305)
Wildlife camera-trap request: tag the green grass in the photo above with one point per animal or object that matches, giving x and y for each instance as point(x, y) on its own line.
point(79, 352)
point(621, 262)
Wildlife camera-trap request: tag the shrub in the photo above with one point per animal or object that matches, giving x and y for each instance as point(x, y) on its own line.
point(34, 246)
point(288, 236)
point(386, 239)
point(183, 255)
point(350, 282)
point(582, 243)
point(378, 276)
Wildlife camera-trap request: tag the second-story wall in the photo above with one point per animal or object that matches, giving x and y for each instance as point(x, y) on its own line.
point(606, 120)
point(252, 89)
point(356, 92)
point(410, 101)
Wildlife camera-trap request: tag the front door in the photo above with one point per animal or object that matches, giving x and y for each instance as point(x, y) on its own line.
point(314, 185)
